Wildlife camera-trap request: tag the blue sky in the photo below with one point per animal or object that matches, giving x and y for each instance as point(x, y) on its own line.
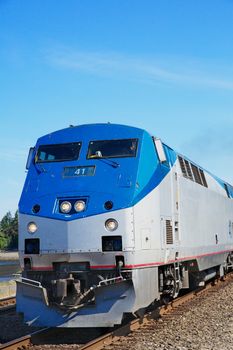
point(164, 65)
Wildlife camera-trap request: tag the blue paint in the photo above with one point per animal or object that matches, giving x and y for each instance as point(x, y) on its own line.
point(223, 184)
point(124, 181)
point(124, 185)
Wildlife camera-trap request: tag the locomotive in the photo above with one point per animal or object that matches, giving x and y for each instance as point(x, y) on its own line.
point(112, 220)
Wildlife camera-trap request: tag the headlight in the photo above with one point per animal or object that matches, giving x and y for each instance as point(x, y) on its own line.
point(65, 207)
point(32, 227)
point(79, 206)
point(111, 224)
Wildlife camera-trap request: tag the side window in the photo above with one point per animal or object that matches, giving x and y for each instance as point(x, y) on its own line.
point(30, 157)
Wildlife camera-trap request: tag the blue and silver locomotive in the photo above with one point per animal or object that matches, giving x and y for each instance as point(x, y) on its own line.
point(112, 220)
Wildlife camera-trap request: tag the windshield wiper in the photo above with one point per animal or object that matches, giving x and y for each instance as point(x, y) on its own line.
point(98, 155)
point(110, 162)
point(107, 161)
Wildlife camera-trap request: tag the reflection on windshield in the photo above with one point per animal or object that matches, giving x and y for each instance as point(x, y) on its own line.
point(58, 153)
point(112, 148)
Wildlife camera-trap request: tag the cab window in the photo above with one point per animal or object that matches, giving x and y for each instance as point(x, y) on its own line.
point(58, 152)
point(112, 148)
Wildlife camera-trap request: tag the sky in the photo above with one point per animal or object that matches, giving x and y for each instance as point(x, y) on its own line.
point(162, 65)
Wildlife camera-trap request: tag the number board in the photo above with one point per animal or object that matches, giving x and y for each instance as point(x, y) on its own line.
point(74, 171)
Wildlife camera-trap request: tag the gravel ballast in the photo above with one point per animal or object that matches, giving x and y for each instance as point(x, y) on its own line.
point(205, 323)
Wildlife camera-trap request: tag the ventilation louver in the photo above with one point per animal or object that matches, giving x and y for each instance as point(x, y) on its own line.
point(169, 234)
point(196, 174)
point(192, 172)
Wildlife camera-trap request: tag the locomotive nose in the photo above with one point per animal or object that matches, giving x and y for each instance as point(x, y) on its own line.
point(110, 231)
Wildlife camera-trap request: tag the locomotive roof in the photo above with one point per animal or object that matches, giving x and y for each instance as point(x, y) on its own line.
point(93, 131)
point(108, 131)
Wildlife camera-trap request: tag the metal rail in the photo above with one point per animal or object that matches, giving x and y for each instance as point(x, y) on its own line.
point(99, 343)
point(22, 342)
point(123, 331)
point(7, 304)
point(10, 300)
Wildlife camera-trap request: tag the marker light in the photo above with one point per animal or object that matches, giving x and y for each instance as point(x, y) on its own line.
point(32, 227)
point(79, 206)
point(111, 224)
point(65, 207)
point(108, 205)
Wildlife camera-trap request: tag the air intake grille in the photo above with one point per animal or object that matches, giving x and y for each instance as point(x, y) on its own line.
point(203, 178)
point(192, 172)
point(182, 165)
point(169, 235)
point(189, 171)
point(196, 174)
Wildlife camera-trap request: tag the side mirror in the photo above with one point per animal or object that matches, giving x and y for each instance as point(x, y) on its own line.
point(30, 157)
point(160, 150)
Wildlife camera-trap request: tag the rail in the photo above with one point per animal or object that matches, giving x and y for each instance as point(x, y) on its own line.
point(7, 304)
point(122, 331)
point(22, 342)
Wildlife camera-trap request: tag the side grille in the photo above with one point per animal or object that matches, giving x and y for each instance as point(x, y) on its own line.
point(169, 235)
point(182, 165)
point(189, 171)
point(196, 174)
point(203, 178)
point(192, 172)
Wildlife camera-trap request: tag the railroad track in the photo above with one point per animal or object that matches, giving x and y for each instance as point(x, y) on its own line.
point(20, 343)
point(166, 311)
point(7, 301)
point(7, 304)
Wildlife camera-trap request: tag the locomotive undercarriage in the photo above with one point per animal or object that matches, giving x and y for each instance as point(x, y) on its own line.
point(71, 289)
point(71, 298)
point(186, 275)
point(74, 295)
point(172, 278)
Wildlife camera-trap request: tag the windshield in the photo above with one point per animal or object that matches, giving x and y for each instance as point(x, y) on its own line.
point(112, 148)
point(58, 153)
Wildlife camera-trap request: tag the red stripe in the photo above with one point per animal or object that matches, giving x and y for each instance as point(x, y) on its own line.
point(102, 266)
point(144, 265)
point(50, 268)
point(202, 255)
point(179, 259)
point(42, 268)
